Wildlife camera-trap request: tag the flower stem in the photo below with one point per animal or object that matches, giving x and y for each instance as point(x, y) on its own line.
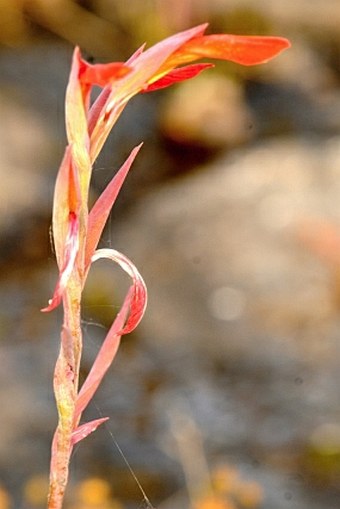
point(66, 379)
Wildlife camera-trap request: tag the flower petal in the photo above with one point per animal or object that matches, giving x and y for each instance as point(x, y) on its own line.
point(242, 49)
point(135, 55)
point(97, 108)
point(101, 209)
point(145, 67)
point(102, 74)
point(181, 74)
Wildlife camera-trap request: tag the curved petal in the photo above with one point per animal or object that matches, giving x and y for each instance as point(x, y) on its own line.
point(138, 300)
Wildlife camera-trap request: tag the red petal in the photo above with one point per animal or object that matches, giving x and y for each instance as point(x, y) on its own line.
point(84, 430)
point(242, 49)
point(147, 64)
point(177, 75)
point(145, 67)
point(102, 74)
point(101, 209)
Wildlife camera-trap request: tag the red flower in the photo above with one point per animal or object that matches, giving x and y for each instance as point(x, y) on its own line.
point(76, 231)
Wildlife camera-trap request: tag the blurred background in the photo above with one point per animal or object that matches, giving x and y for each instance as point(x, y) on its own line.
point(227, 397)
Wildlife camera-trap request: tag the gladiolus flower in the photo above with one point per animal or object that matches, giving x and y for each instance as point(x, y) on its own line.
point(77, 231)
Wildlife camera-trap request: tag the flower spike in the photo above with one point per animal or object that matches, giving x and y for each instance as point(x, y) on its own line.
point(77, 231)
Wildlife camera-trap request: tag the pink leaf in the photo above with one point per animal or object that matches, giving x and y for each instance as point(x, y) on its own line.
point(139, 292)
point(84, 430)
point(127, 319)
point(101, 209)
point(103, 360)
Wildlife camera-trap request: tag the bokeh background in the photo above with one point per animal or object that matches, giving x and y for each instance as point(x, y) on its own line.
point(227, 397)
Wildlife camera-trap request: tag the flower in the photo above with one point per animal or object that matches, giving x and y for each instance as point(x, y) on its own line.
point(77, 231)
point(88, 126)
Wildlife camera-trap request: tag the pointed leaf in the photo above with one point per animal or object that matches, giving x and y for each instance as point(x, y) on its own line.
point(103, 360)
point(101, 209)
point(84, 430)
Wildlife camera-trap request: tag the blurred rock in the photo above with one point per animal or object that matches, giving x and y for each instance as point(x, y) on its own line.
point(229, 234)
point(209, 112)
point(23, 183)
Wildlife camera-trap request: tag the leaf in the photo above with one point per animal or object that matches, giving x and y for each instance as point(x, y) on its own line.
point(103, 361)
point(126, 321)
point(101, 209)
point(84, 430)
point(61, 206)
point(138, 300)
